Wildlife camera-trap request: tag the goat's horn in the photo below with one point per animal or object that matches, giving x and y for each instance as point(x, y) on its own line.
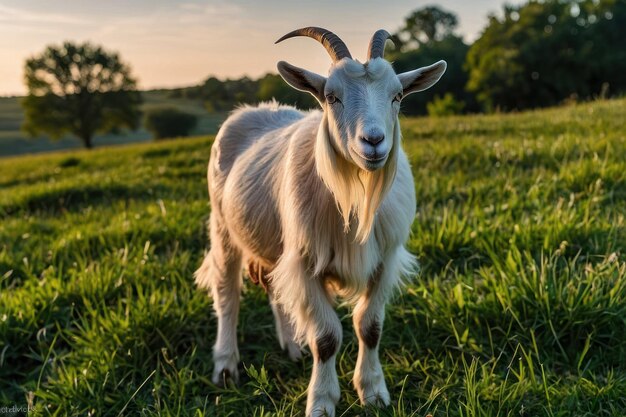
point(377, 44)
point(335, 46)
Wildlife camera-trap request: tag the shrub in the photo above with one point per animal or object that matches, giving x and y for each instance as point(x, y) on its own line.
point(169, 122)
point(445, 106)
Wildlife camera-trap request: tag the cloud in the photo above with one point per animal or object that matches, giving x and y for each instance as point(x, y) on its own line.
point(172, 22)
point(22, 16)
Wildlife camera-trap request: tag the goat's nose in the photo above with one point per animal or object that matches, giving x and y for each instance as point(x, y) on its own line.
point(374, 139)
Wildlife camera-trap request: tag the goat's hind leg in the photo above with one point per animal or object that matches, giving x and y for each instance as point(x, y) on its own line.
point(285, 331)
point(221, 273)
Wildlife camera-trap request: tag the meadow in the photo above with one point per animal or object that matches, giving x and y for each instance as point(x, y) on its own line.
point(519, 308)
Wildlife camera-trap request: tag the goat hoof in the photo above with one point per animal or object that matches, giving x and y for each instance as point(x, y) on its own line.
point(225, 378)
point(374, 394)
point(327, 410)
point(322, 404)
point(378, 398)
point(379, 401)
point(294, 352)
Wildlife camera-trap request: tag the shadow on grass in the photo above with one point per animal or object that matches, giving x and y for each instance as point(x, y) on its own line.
point(54, 202)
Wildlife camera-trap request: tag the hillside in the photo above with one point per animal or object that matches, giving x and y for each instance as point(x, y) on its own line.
point(14, 142)
point(520, 307)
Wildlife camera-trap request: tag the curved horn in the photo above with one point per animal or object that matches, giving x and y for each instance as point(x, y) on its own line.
point(335, 46)
point(377, 44)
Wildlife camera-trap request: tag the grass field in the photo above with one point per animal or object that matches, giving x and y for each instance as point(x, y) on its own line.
point(519, 310)
point(14, 142)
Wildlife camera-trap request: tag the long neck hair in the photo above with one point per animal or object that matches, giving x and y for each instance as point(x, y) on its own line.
point(358, 193)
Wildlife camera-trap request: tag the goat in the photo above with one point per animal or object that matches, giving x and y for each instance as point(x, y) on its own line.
point(318, 204)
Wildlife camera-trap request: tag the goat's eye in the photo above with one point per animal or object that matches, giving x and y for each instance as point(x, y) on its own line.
point(330, 98)
point(397, 97)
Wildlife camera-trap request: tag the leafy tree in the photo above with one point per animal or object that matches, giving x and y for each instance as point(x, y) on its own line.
point(542, 53)
point(425, 25)
point(453, 50)
point(426, 37)
point(81, 90)
point(169, 122)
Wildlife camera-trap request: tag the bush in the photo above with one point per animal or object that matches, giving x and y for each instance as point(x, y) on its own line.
point(169, 122)
point(445, 106)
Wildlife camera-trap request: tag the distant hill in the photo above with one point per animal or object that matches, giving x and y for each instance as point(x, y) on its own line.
point(14, 142)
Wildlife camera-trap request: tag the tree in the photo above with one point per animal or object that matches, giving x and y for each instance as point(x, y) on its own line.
point(169, 122)
point(542, 53)
point(453, 50)
point(81, 90)
point(428, 36)
point(425, 25)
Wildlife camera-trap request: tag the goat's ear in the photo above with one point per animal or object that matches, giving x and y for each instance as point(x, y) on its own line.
point(422, 78)
point(303, 80)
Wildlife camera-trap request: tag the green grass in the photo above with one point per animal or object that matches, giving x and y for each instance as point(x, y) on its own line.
point(520, 308)
point(15, 142)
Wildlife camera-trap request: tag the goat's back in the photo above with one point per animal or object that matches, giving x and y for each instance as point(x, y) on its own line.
point(245, 126)
point(243, 176)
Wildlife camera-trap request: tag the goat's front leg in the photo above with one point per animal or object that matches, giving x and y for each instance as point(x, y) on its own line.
point(324, 335)
point(305, 299)
point(368, 317)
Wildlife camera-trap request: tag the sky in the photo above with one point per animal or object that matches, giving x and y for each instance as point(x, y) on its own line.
point(181, 43)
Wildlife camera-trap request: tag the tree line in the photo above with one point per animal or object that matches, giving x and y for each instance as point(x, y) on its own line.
point(537, 54)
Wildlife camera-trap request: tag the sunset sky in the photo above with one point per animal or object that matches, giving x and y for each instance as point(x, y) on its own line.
point(169, 43)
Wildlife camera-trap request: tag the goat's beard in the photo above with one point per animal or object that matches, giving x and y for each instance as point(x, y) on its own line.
point(358, 193)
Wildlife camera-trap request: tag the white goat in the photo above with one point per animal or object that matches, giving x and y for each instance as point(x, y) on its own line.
point(318, 205)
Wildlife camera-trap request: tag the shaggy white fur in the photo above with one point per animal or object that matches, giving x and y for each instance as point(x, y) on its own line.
point(312, 199)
